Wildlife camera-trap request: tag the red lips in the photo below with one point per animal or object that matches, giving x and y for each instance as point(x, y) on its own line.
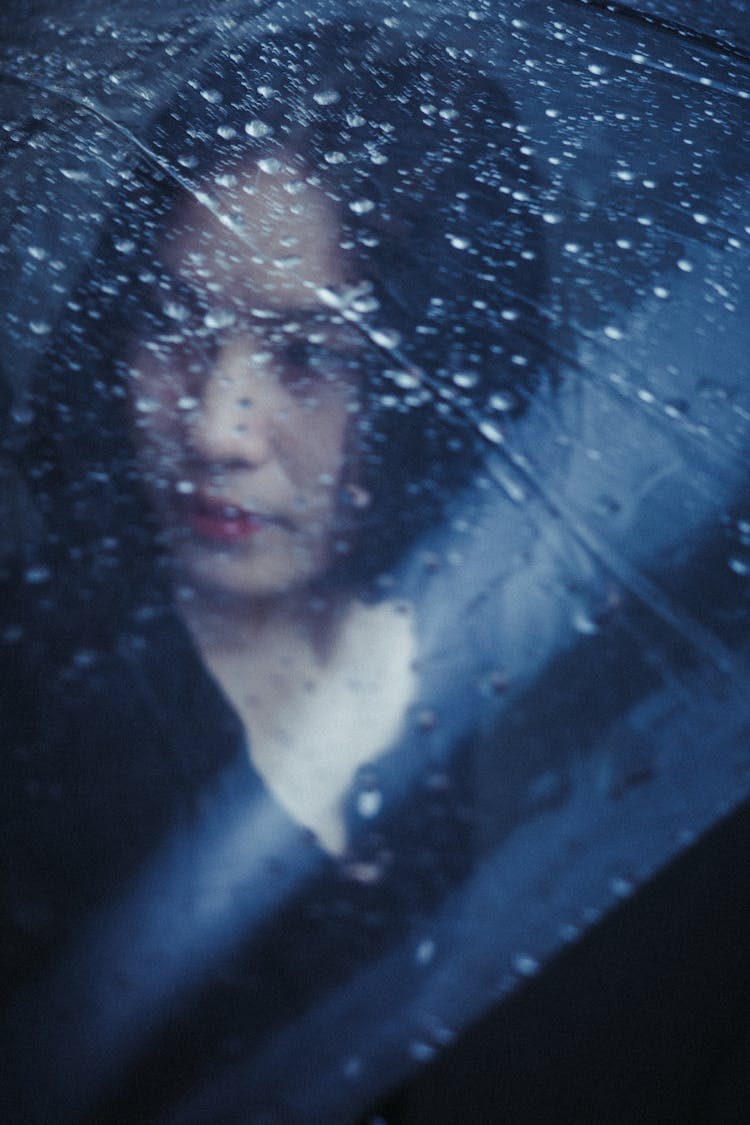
point(219, 520)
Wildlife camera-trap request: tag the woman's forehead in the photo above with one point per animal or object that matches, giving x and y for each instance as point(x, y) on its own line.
point(270, 233)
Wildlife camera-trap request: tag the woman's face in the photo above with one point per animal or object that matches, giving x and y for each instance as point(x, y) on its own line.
point(245, 389)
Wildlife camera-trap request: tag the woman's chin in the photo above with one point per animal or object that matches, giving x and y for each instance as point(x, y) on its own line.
point(238, 582)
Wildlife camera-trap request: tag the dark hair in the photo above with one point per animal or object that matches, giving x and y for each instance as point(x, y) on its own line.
point(439, 206)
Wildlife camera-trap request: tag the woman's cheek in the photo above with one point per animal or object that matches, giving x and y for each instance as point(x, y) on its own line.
point(158, 420)
point(324, 448)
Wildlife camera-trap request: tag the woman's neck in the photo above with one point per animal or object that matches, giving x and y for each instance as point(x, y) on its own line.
point(225, 627)
point(320, 694)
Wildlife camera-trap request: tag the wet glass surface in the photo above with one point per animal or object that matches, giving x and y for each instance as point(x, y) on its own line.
point(376, 529)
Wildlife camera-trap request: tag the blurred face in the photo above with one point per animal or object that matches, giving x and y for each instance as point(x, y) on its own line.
point(244, 392)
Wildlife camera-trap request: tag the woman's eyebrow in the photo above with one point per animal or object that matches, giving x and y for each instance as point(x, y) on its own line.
point(320, 320)
point(303, 317)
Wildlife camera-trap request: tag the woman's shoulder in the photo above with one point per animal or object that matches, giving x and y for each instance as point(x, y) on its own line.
point(106, 749)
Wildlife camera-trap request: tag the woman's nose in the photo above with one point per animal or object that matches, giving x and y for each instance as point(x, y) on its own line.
point(234, 419)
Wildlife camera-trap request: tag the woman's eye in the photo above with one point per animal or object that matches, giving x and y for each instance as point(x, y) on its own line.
point(316, 359)
point(303, 365)
point(299, 354)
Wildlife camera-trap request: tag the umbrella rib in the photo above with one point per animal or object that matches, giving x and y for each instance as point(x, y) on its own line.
point(702, 38)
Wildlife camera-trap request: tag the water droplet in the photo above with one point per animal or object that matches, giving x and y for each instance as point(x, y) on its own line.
point(365, 304)
point(124, 245)
point(466, 379)
point(187, 402)
point(225, 180)
point(613, 333)
point(525, 965)
point(257, 128)
point(700, 218)
point(361, 206)
point(740, 566)
point(219, 318)
point(491, 432)
point(621, 886)
point(421, 1051)
point(227, 132)
point(363, 872)
point(37, 252)
point(175, 311)
point(357, 496)
point(661, 292)
point(685, 265)
point(584, 624)
point(147, 405)
point(459, 243)
point(425, 951)
point(75, 174)
point(326, 97)
point(385, 338)
point(352, 1067)
point(369, 803)
point(270, 165)
point(552, 217)
point(329, 297)
point(407, 380)
point(502, 402)
point(185, 487)
point(22, 415)
point(215, 97)
point(355, 120)
point(35, 575)
point(427, 719)
point(39, 327)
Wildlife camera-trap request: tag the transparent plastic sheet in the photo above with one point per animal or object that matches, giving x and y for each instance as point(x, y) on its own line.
point(596, 663)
